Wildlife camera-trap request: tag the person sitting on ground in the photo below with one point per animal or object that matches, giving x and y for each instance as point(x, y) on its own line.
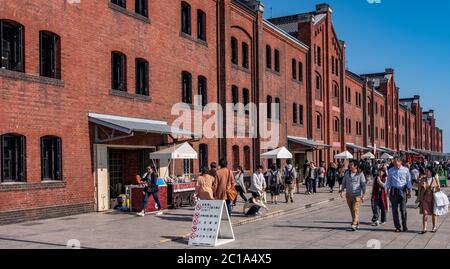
point(254, 205)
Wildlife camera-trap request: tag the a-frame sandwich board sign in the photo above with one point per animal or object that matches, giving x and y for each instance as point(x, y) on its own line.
point(211, 224)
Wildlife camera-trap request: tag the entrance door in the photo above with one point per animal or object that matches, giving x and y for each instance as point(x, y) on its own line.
point(300, 159)
point(116, 171)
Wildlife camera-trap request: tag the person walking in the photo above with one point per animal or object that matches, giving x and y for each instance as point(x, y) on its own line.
point(258, 183)
point(274, 176)
point(399, 186)
point(332, 176)
point(213, 169)
point(312, 177)
point(204, 186)
point(321, 172)
point(341, 171)
point(240, 185)
point(379, 198)
point(428, 186)
point(354, 185)
point(150, 182)
point(289, 177)
point(304, 175)
point(224, 185)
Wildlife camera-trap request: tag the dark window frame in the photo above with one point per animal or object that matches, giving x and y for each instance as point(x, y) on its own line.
point(268, 57)
point(203, 89)
point(120, 3)
point(119, 72)
point(245, 56)
point(142, 82)
point(49, 47)
point(186, 19)
point(186, 87)
point(247, 158)
point(203, 160)
point(277, 64)
point(234, 51)
point(269, 106)
point(141, 7)
point(16, 59)
point(301, 114)
point(235, 96)
point(51, 171)
point(300, 71)
point(294, 113)
point(16, 157)
point(201, 25)
point(294, 69)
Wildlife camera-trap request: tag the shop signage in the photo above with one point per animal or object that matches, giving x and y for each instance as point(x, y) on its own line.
point(211, 225)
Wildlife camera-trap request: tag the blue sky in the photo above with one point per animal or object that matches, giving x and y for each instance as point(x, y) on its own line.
point(413, 37)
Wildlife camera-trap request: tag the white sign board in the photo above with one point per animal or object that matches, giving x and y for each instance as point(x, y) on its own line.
point(211, 225)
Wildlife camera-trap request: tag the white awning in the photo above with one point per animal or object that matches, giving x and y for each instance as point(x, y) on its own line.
point(344, 156)
point(177, 152)
point(386, 156)
point(280, 153)
point(129, 125)
point(368, 156)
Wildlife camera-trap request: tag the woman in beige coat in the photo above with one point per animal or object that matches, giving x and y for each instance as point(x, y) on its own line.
point(204, 188)
point(428, 186)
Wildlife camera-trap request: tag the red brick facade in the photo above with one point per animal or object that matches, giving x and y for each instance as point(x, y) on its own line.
point(313, 102)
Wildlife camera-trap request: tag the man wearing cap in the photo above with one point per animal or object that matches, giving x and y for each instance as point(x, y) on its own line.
point(399, 186)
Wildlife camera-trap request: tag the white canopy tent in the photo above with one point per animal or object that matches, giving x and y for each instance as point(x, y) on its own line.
point(280, 153)
point(386, 156)
point(344, 156)
point(177, 152)
point(368, 156)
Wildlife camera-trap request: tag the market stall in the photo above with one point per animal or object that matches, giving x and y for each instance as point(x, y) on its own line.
point(181, 188)
point(344, 156)
point(368, 156)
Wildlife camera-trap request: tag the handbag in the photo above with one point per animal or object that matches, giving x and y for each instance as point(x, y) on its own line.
point(231, 191)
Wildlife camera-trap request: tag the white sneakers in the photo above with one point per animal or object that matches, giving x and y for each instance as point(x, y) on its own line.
point(142, 213)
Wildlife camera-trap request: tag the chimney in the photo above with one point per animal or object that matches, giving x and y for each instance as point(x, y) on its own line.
point(323, 8)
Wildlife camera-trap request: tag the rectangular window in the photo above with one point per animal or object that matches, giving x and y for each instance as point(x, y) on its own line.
point(142, 77)
point(141, 7)
point(277, 60)
point(50, 55)
point(246, 97)
point(203, 90)
point(186, 87)
point(269, 107)
point(319, 122)
point(337, 67)
point(269, 57)
point(201, 25)
point(12, 46)
point(51, 161)
point(120, 3)
point(13, 158)
point(245, 55)
point(247, 165)
point(301, 115)
point(185, 18)
point(118, 68)
point(234, 50)
point(294, 69)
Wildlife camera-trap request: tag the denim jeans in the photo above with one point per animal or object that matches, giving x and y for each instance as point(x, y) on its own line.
point(228, 202)
point(378, 211)
point(155, 197)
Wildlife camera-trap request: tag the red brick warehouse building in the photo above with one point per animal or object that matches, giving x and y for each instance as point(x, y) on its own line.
point(87, 89)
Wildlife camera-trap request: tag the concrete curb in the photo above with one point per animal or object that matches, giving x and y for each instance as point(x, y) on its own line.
point(262, 217)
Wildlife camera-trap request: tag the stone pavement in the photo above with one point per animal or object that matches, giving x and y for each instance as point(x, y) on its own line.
point(327, 227)
point(122, 230)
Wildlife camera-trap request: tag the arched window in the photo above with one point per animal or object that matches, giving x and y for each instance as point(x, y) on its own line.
point(336, 125)
point(294, 69)
point(142, 77)
point(185, 18)
point(203, 156)
point(236, 157)
point(201, 25)
point(245, 55)
point(141, 7)
point(235, 95)
point(234, 51)
point(203, 90)
point(247, 158)
point(277, 109)
point(12, 46)
point(51, 158)
point(49, 55)
point(269, 107)
point(13, 152)
point(119, 71)
point(268, 57)
point(186, 87)
point(318, 121)
point(277, 60)
point(294, 113)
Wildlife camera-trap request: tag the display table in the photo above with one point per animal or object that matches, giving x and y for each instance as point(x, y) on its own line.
point(136, 196)
point(181, 194)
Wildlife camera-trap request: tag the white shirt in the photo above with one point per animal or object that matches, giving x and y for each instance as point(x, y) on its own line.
point(258, 183)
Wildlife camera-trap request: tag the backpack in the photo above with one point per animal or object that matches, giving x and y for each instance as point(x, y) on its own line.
point(274, 180)
point(288, 176)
